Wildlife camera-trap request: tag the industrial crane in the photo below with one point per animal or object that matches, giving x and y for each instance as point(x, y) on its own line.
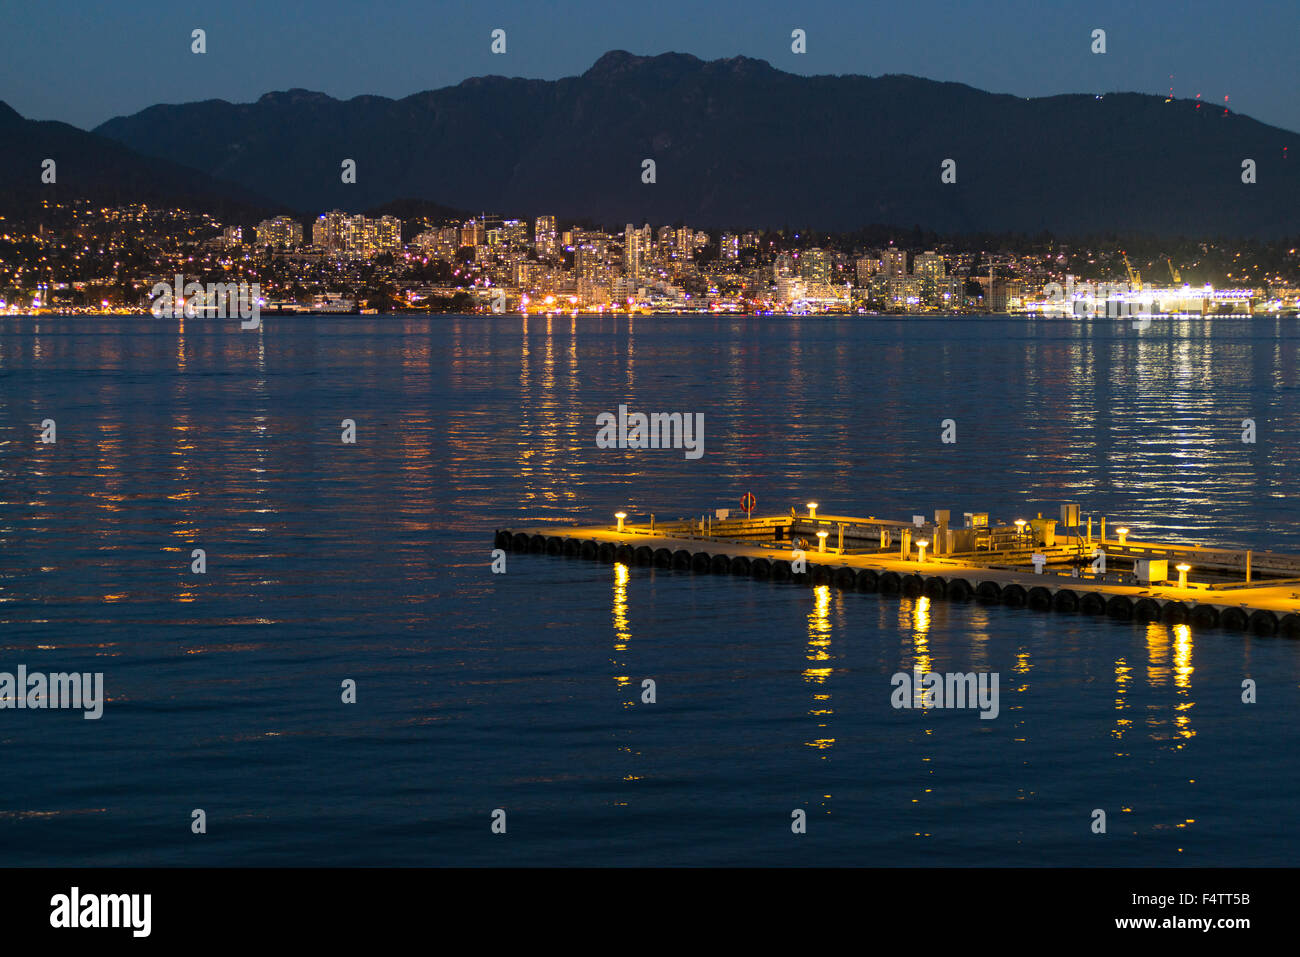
point(1134, 278)
point(1177, 276)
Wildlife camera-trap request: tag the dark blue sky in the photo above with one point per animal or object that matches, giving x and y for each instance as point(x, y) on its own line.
point(86, 62)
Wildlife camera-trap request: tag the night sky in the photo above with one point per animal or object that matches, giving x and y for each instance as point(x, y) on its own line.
point(84, 63)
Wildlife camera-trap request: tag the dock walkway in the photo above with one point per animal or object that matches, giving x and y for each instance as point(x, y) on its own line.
point(1250, 591)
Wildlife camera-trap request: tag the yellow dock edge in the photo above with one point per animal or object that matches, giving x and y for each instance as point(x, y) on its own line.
point(1266, 609)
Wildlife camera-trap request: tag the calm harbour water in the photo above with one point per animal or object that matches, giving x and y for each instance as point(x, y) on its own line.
point(522, 691)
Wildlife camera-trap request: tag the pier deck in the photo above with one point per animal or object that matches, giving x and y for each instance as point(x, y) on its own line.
point(1235, 589)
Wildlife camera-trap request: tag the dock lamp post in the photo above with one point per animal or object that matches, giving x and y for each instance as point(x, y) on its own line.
point(1122, 533)
point(812, 509)
point(620, 516)
point(1020, 528)
point(1183, 569)
point(921, 546)
point(821, 540)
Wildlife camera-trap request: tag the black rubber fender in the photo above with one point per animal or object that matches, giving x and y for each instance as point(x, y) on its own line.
point(935, 587)
point(959, 589)
point(1120, 607)
point(868, 580)
point(760, 568)
point(1146, 609)
point(1066, 601)
point(1175, 613)
point(1263, 623)
point(1205, 616)
point(1015, 596)
point(913, 586)
point(1040, 599)
point(1233, 619)
point(891, 583)
point(1092, 603)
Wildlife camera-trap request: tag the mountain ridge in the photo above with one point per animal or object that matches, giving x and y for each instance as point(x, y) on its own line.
point(92, 167)
point(739, 143)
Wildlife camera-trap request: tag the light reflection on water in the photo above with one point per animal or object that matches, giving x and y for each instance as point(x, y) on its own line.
point(371, 561)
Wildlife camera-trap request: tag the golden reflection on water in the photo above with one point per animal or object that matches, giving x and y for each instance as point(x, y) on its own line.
point(1123, 675)
point(622, 635)
point(819, 642)
point(1157, 655)
point(1183, 682)
point(552, 441)
point(622, 631)
point(1183, 657)
point(1169, 663)
point(914, 615)
point(1021, 670)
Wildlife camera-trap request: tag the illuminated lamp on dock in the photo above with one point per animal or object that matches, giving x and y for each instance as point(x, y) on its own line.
point(812, 509)
point(1183, 569)
point(620, 516)
point(821, 540)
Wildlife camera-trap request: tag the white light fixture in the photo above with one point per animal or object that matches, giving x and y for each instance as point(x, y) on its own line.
point(620, 516)
point(1183, 569)
point(1122, 533)
point(922, 546)
point(821, 541)
point(812, 509)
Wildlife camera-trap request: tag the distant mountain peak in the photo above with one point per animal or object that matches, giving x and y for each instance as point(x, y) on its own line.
point(295, 97)
point(621, 61)
point(8, 114)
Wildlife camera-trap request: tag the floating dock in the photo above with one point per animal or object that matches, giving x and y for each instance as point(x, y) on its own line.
point(1047, 565)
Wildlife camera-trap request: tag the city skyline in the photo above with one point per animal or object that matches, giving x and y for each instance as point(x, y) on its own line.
point(339, 262)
